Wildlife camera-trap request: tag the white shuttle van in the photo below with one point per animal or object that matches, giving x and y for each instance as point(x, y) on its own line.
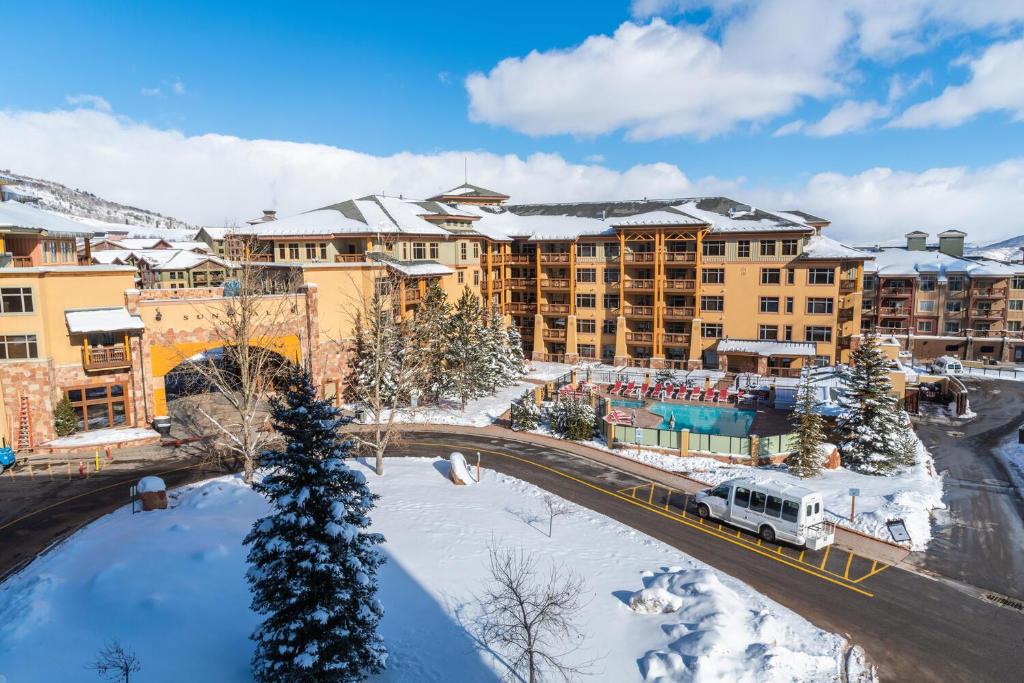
point(772, 510)
point(947, 365)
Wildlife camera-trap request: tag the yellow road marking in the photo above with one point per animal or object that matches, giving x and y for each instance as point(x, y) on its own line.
point(824, 560)
point(650, 498)
point(849, 560)
point(801, 558)
point(779, 549)
point(639, 503)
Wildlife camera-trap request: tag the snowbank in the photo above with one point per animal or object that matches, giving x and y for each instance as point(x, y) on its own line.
point(1012, 455)
point(909, 495)
point(544, 371)
point(102, 437)
point(157, 583)
point(478, 413)
point(151, 485)
point(460, 470)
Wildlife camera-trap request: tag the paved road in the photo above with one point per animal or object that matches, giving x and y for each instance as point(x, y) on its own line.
point(980, 539)
point(913, 628)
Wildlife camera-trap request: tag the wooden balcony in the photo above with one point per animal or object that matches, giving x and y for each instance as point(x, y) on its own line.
point(896, 291)
point(413, 296)
point(637, 311)
point(647, 337)
point(639, 257)
point(554, 334)
point(21, 261)
point(676, 339)
point(987, 314)
point(521, 259)
point(521, 283)
point(554, 309)
point(989, 292)
point(681, 257)
point(845, 315)
point(554, 283)
point(555, 257)
point(678, 312)
point(105, 357)
point(520, 307)
point(847, 285)
point(639, 284)
point(349, 258)
point(894, 312)
point(680, 285)
point(259, 257)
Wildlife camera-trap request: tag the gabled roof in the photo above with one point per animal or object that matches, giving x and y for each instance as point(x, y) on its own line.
point(88, 320)
point(468, 190)
point(18, 216)
point(804, 217)
point(415, 268)
point(821, 248)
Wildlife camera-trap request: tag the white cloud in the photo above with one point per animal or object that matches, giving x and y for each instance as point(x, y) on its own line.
point(657, 80)
point(996, 84)
point(95, 101)
point(150, 92)
point(848, 117)
point(210, 179)
point(177, 87)
point(790, 128)
point(900, 86)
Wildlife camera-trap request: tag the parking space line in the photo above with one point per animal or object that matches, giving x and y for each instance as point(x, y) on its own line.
point(824, 560)
point(849, 560)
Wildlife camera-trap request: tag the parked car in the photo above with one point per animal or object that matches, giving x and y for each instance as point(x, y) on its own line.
point(774, 511)
point(947, 365)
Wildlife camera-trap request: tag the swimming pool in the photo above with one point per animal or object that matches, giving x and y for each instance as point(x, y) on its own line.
point(619, 403)
point(705, 419)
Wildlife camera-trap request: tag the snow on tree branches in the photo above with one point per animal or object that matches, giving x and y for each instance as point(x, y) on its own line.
point(313, 566)
point(525, 415)
point(572, 418)
point(809, 430)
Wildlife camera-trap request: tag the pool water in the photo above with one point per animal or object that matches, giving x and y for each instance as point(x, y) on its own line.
point(619, 403)
point(705, 419)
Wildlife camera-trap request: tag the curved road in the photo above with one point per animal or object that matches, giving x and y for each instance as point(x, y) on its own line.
point(912, 627)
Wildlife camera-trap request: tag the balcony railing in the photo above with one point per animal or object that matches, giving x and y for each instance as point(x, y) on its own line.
point(349, 258)
point(639, 284)
point(680, 311)
point(681, 257)
point(555, 257)
point(554, 308)
point(258, 257)
point(675, 339)
point(845, 315)
point(640, 337)
point(521, 282)
point(520, 307)
point(555, 283)
point(554, 334)
point(637, 311)
point(105, 357)
point(986, 313)
point(895, 291)
point(21, 261)
point(784, 372)
point(894, 312)
point(847, 285)
point(413, 296)
point(526, 259)
point(680, 285)
point(988, 292)
point(639, 257)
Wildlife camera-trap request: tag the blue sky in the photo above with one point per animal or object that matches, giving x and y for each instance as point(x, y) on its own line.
point(381, 79)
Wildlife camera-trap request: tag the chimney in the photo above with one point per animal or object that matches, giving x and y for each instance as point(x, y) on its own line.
point(951, 242)
point(917, 240)
point(269, 215)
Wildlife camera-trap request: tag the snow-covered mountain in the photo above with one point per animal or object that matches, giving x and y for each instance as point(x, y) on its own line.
point(1006, 250)
point(100, 213)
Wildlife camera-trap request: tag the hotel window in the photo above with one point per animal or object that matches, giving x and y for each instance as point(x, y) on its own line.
point(768, 332)
point(770, 276)
point(789, 247)
point(476, 277)
point(611, 275)
point(955, 284)
point(767, 247)
point(293, 251)
point(611, 251)
point(711, 330)
point(99, 407)
point(310, 251)
point(1016, 304)
point(927, 284)
point(586, 326)
point(790, 276)
point(769, 304)
point(586, 300)
point(608, 327)
point(924, 325)
point(419, 250)
point(743, 249)
point(787, 332)
point(611, 301)
point(817, 334)
point(435, 251)
point(821, 276)
point(926, 306)
point(712, 303)
point(463, 251)
point(983, 327)
point(954, 306)
point(713, 276)
point(586, 275)
point(869, 283)
point(280, 250)
point(1017, 282)
point(818, 306)
point(476, 250)
point(789, 304)
point(1013, 326)
point(587, 351)
point(586, 250)
point(16, 300)
point(714, 248)
point(462, 277)
point(18, 346)
point(323, 251)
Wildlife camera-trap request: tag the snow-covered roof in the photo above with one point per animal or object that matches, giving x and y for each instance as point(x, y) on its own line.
point(669, 216)
point(821, 248)
point(141, 243)
point(182, 259)
point(803, 217)
point(216, 233)
point(417, 268)
point(903, 262)
point(190, 245)
point(102, 320)
point(767, 348)
point(469, 190)
point(18, 216)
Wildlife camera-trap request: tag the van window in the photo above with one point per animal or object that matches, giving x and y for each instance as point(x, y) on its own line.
point(742, 497)
point(790, 511)
point(757, 501)
point(774, 508)
point(817, 508)
point(720, 492)
point(810, 510)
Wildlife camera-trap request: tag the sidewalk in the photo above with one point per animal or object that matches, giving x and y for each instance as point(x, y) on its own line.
point(846, 539)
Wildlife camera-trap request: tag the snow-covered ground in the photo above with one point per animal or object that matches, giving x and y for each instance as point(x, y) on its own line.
point(170, 585)
point(1011, 452)
point(909, 495)
point(478, 413)
point(103, 437)
point(544, 371)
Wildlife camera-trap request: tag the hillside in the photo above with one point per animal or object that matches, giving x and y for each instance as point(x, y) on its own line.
point(1006, 250)
point(96, 211)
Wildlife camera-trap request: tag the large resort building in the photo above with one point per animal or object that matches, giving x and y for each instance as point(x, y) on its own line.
point(681, 283)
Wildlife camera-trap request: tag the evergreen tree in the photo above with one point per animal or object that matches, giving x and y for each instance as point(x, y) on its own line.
point(312, 566)
point(65, 421)
point(664, 375)
point(872, 420)
point(516, 357)
point(495, 352)
point(805, 461)
point(430, 338)
point(351, 391)
point(572, 418)
point(525, 415)
point(466, 357)
point(377, 362)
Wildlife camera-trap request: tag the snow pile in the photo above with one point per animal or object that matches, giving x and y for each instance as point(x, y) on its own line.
point(151, 485)
point(716, 634)
point(478, 413)
point(460, 470)
point(103, 437)
point(157, 583)
point(1011, 453)
point(909, 495)
point(545, 371)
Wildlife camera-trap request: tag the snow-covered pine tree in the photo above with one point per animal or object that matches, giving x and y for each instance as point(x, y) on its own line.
point(871, 420)
point(429, 340)
point(466, 357)
point(525, 415)
point(664, 375)
point(313, 566)
point(377, 360)
point(809, 430)
point(495, 348)
point(516, 357)
point(572, 418)
point(65, 421)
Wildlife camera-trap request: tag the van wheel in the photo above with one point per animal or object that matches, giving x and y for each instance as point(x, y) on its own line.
point(703, 511)
point(767, 534)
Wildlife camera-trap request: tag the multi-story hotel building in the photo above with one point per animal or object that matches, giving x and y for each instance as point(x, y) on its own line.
point(938, 302)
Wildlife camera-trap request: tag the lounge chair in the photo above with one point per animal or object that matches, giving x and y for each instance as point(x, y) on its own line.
point(629, 388)
point(709, 394)
point(723, 394)
point(654, 390)
point(615, 388)
point(694, 393)
point(643, 390)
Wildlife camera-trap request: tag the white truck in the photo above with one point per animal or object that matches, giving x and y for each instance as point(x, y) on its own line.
point(947, 365)
point(772, 510)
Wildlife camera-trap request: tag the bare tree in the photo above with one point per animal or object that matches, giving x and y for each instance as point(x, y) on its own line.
point(115, 663)
point(530, 617)
point(260, 310)
point(555, 507)
point(384, 371)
